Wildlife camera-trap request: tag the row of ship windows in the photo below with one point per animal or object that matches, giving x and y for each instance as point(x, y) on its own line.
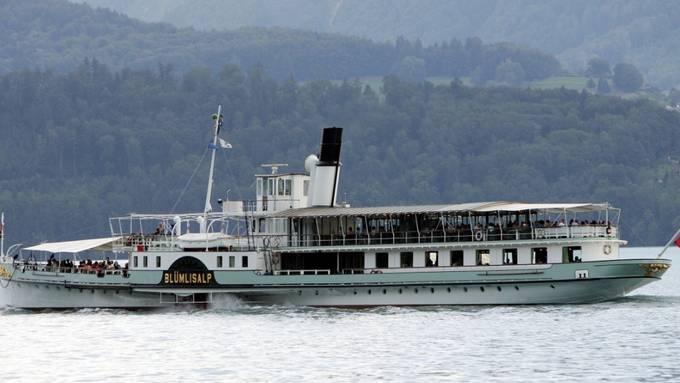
point(220, 261)
point(432, 290)
point(539, 255)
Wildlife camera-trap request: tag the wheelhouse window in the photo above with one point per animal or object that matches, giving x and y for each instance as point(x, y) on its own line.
point(305, 188)
point(509, 256)
point(431, 258)
point(158, 261)
point(259, 186)
point(539, 255)
point(456, 258)
point(571, 254)
point(281, 186)
point(406, 259)
point(219, 261)
point(272, 186)
point(244, 261)
point(232, 261)
point(483, 257)
point(288, 187)
point(381, 260)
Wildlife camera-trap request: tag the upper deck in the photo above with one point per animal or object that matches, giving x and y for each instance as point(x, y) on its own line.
point(337, 227)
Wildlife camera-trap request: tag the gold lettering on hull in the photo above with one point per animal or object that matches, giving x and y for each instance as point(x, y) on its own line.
point(186, 278)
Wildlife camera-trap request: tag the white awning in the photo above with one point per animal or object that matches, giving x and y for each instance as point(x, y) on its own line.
point(475, 207)
point(101, 244)
point(547, 207)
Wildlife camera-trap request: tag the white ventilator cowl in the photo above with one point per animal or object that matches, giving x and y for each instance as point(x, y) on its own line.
point(310, 162)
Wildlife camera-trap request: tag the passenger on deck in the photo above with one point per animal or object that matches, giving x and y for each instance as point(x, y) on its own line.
point(160, 229)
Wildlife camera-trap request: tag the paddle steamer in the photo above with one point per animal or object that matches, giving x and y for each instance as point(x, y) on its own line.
point(294, 244)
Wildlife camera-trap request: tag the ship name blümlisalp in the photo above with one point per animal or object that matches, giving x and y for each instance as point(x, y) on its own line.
point(187, 278)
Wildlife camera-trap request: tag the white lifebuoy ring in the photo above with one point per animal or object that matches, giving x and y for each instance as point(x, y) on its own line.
point(479, 235)
point(540, 233)
point(275, 259)
point(265, 242)
point(609, 230)
point(277, 242)
point(607, 249)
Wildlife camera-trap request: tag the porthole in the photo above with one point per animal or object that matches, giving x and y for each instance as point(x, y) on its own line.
point(517, 288)
point(499, 288)
point(415, 291)
point(552, 286)
point(92, 291)
point(448, 289)
point(355, 293)
point(117, 292)
point(316, 292)
point(399, 291)
point(384, 291)
point(432, 290)
point(465, 289)
point(299, 292)
point(481, 288)
point(369, 291)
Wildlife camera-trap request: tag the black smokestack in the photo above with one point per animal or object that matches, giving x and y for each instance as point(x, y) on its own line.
point(330, 146)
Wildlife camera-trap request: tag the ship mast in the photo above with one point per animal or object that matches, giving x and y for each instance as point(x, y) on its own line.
point(218, 123)
point(2, 234)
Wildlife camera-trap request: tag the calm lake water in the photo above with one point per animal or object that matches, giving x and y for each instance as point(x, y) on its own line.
point(636, 338)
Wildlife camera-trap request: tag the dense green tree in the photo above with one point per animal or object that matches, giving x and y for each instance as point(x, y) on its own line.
point(510, 72)
point(627, 77)
point(603, 86)
point(591, 84)
point(598, 67)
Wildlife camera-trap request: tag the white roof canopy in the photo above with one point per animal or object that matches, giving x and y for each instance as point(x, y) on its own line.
point(101, 244)
point(476, 207)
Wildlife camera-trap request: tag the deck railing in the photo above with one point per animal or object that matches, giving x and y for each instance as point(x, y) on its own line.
point(138, 242)
point(465, 235)
point(71, 270)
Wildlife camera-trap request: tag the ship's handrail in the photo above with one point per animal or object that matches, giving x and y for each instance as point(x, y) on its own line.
point(465, 235)
point(71, 270)
point(153, 242)
point(165, 242)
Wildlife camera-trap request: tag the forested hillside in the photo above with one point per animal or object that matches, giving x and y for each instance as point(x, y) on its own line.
point(58, 35)
point(93, 142)
point(641, 32)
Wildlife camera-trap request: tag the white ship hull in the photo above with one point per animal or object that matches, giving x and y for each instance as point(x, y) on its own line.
point(32, 296)
point(588, 291)
point(44, 296)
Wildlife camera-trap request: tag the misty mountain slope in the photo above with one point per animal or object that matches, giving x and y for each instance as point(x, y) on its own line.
point(641, 32)
point(59, 35)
